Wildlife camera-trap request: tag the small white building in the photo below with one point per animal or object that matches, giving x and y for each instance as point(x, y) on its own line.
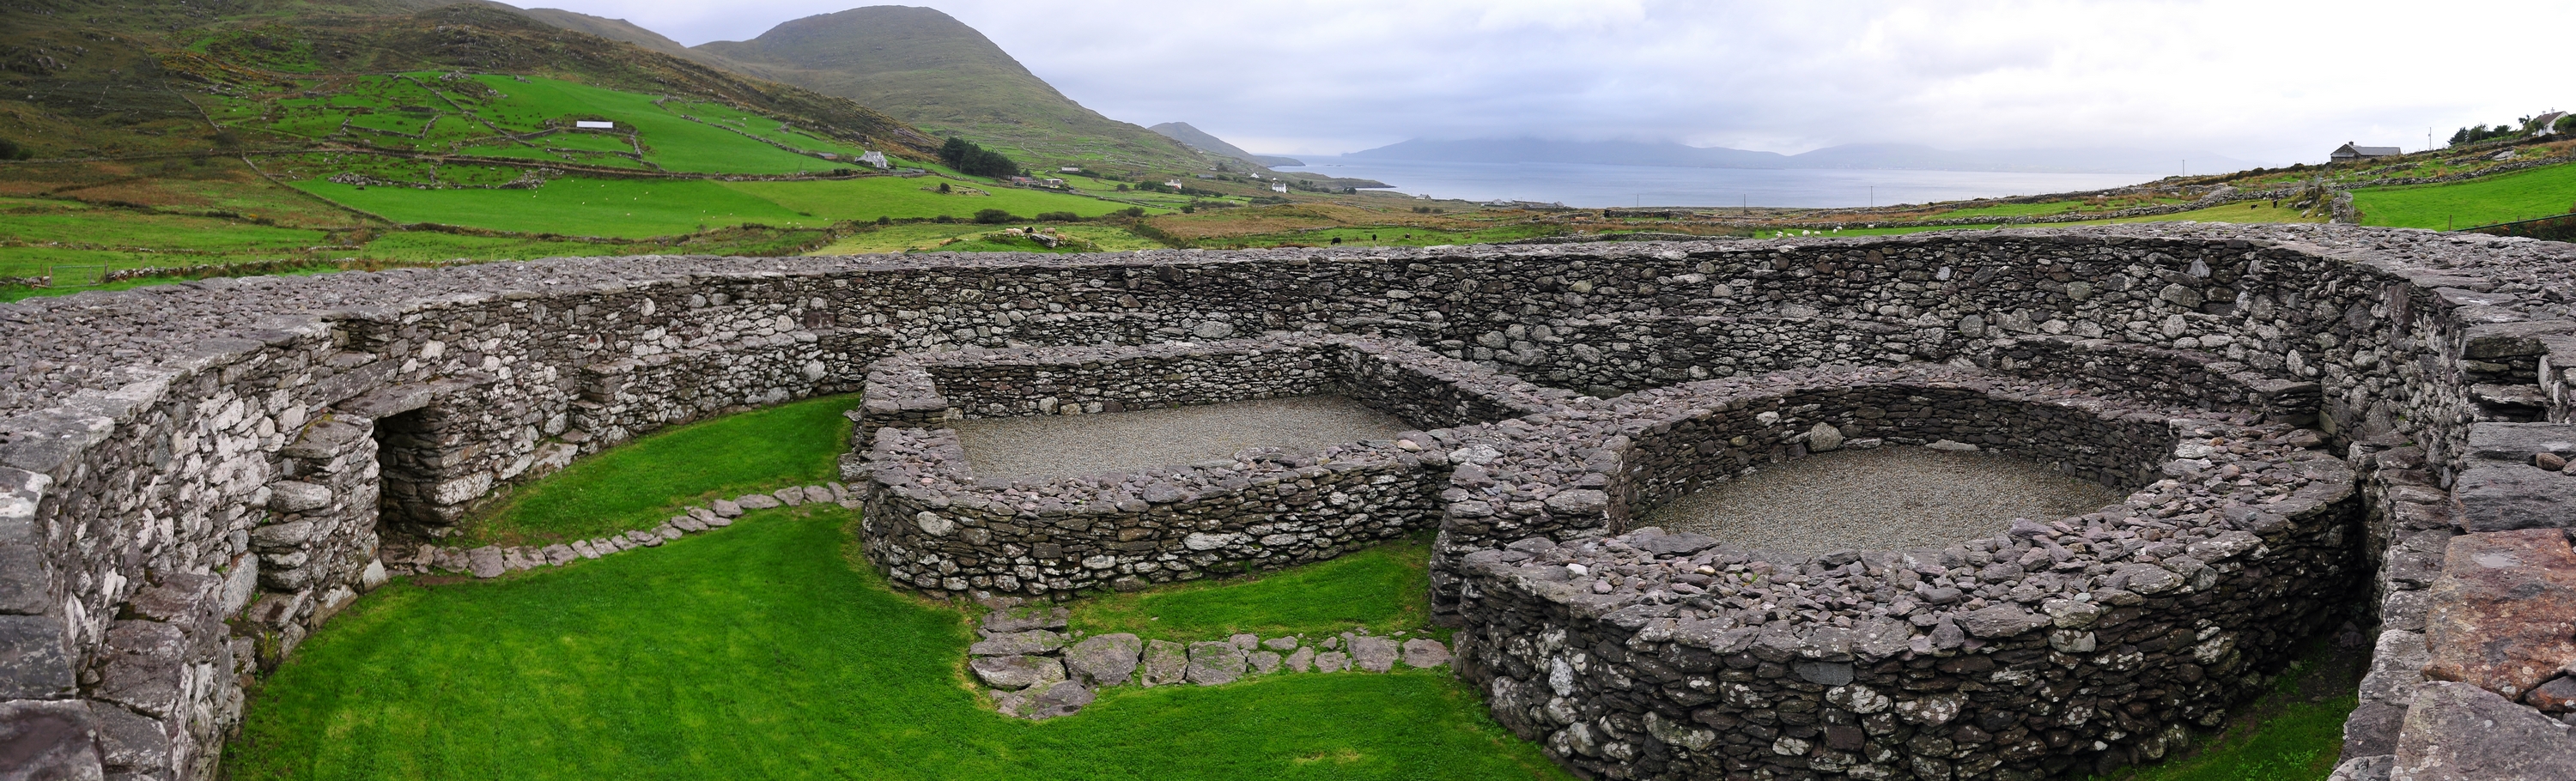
point(1278, 187)
point(1174, 184)
point(1069, 169)
point(593, 124)
point(2542, 125)
point(877, 159)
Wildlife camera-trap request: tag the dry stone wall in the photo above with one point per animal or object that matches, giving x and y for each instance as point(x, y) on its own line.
point(931, 524)
point(2064, 644)
point(145, 435)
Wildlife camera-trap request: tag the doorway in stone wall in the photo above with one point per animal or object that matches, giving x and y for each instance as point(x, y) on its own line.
point(407, 468)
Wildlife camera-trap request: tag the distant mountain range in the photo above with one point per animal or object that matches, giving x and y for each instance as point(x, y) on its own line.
point(1901, 156)
point(924, 67)
point(1195, 138)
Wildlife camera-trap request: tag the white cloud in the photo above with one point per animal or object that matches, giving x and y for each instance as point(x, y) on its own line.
point(2274, 81)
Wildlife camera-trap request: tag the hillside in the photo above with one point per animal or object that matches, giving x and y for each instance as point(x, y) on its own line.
point(1201, 140)
point(928, 69)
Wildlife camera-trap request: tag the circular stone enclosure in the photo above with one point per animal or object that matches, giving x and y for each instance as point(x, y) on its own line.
point(933, 525)
point(1688, 467)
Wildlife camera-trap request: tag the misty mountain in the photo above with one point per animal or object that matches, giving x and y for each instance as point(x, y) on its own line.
point(1899, 156)
point(1201, 140)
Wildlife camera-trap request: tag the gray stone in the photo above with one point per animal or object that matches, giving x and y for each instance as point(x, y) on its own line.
point(756, 501)
point(1061, 699)
point(1425, 653)
point(2459, 732)
point(289, 496)
point(1215, 663)
point(1025, 618)
point(1281, 644)
point(1827, 673)
point(1104, 660)
point(1016, 672)
point(1263, 662)
point(1372, 653)
point(725, 509)
point(1166, 663)
point(23, 577)
point(141, 666)
point(126, 740)
point(48, 741)
point(1332, 662)
point(1952, 447)
point(792, 497)
point(1824, 438)
point(1035, 641)
point(2507, 496)
point(1245, 641)
point(34, 665)
point(1301, 660)
point(282, 536)
point(2001, 621)
point(485, 562)
point(2367, 768)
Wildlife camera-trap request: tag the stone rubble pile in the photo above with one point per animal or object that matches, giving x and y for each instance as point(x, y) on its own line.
point(1038, 671)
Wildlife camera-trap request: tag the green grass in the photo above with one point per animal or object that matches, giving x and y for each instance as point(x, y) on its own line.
point(2540, 192)
point(609, 208)
point(117, 229)
point(761, 651)
point(639, 484)
point(899, 197)
point(1385, 589)
point(674, 143)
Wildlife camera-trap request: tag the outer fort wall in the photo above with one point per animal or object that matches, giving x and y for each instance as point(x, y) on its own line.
point(174, 458)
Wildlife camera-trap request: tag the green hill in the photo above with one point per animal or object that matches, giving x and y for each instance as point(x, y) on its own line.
point(930, 70)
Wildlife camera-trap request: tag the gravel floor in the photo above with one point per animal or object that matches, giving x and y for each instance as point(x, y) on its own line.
point(1888, 498)
point(1075, 445)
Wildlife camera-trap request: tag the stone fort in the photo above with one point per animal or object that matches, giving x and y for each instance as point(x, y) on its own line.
point(2311, 425)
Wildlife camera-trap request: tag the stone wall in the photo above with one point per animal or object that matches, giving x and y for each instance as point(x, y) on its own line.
point(2070, 645)
point(142, 432)
point(933, 526)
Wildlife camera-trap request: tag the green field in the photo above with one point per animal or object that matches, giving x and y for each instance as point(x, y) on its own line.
point(899, 197)
point(2521, 195)
point(573, 206)
point(763, 651)
point(1385, 589)
point(638, 484)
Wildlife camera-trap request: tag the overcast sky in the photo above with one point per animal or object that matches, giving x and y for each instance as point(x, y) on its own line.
point(2268, 81)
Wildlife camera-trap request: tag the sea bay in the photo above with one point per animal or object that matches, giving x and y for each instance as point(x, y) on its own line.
point(1588, 185)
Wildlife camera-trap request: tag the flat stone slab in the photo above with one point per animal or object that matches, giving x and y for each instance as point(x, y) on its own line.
point(2457, 732)
point(1052, 446)
point(1104, 660)
point(1017, 672)
point(1886, 498)
point(2502, 611)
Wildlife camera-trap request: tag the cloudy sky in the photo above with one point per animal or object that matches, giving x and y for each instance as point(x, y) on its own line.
point(2269, 81)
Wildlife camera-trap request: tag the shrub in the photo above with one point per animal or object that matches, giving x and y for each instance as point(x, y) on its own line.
point(968, 158)
point(994, 217)
point(943, 219)
point(884, 220)
point(10, 150)
point(1059, 217)
point(1133, 211)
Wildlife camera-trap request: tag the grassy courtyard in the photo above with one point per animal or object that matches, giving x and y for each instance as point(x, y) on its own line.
point(640, 483)
point(768, 650)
